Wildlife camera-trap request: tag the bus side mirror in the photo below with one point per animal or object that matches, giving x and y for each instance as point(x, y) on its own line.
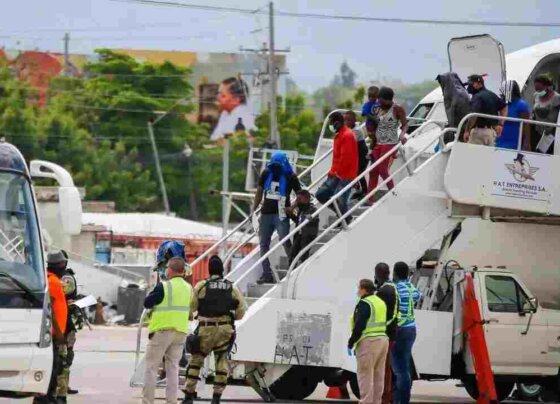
point(70, 210)
point(69, 201)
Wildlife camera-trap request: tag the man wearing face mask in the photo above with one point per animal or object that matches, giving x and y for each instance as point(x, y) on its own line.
point(483, 131)
point(545, 109)
point(276, 184)
point(344, 166)
point(369, 342)
point(303, 210)
point(389, 116)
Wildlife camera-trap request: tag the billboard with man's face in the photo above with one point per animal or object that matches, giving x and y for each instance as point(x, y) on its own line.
point(227, 108)
point(232, 88)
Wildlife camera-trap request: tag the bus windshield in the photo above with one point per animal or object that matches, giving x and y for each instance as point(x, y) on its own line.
point(21, 262)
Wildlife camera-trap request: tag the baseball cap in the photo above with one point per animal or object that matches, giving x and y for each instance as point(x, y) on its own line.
point(476, 78)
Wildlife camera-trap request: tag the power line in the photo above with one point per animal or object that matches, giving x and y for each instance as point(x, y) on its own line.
point(170, 3)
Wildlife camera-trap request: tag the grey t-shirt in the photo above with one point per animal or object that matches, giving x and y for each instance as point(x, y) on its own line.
point(547, 111)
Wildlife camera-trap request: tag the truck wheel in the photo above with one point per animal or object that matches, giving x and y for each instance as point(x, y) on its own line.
point(503, 389)
point(529, 392)
point(298, 383)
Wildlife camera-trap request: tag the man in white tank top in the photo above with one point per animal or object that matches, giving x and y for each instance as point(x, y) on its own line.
point(385, 136)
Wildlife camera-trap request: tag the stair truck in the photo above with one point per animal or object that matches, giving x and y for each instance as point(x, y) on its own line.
point(491, 212)
point(25, 317)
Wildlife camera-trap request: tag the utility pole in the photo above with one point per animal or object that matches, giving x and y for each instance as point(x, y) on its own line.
point(158, 168)
point(225, 189)
point(66, 54)
point(274, 135)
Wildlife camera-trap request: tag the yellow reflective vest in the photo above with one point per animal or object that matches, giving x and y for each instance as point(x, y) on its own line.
point(173, 311)
point(377, 322)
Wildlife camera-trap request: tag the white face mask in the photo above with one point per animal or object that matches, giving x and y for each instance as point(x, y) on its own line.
point(332, 129)
point(540, 94)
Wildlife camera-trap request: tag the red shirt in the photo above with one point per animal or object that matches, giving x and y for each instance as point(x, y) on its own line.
point(58, 303)
point(345, 155)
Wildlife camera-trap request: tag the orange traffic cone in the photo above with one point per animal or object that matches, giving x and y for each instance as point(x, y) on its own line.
point(338, 393)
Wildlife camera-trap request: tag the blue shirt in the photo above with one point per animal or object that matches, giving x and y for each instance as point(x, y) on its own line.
point(510, 131)
point(368, 107)
point(403, 288)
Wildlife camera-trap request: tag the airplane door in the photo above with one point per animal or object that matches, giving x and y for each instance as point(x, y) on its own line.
point(479, 54)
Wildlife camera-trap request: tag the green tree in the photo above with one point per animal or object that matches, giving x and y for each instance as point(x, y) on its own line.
point(18, 114)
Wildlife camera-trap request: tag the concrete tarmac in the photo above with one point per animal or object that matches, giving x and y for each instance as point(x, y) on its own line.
point(104, 363)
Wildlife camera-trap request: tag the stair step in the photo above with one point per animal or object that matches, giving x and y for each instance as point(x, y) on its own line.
point(283, 262)
point(379, 194)
point(251, 300)
point(254, 290)
point(282, 272)
point(328, 235)
point(360, 210)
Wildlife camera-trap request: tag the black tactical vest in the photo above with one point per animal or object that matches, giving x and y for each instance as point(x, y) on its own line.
point(218, 300)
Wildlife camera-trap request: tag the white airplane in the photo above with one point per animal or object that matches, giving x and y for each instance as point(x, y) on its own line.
point(484, 55)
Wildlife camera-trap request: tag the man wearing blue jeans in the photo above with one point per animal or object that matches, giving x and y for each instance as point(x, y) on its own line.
point(344, 166)
point(276, 184)
point(401, 354)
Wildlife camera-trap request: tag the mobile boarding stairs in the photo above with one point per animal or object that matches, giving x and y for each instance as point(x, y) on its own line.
point(302, 321)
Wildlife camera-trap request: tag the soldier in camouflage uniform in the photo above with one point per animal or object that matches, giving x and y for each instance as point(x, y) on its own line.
point(218, 304)
point(74, 323)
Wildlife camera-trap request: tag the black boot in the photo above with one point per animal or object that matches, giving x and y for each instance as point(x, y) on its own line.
point(72, 391)
point(189, 398)
point(216, 398)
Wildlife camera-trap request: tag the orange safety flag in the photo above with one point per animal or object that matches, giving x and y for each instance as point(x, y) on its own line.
point(473, 326)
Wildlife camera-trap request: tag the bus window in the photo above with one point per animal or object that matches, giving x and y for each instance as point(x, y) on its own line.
point(21, 266)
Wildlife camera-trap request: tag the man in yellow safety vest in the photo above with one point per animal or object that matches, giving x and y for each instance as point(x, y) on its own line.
point(169, 324)
point(369, 342)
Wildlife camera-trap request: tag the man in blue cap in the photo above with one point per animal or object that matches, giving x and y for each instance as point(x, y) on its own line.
point(276, 184)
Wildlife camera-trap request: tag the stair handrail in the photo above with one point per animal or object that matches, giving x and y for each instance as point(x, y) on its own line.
point(322, 208)
point(503, 118)
point(246, 220)
point(351, 210)
point(236, 248)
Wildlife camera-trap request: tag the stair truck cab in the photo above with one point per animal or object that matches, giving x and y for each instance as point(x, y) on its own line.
point(25, 317)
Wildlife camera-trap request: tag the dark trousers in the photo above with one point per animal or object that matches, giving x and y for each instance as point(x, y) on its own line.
point(388, 388)
point(56, 370)
point(300, 242)
point(270, 223)
point(331, 187)
point(400, 361)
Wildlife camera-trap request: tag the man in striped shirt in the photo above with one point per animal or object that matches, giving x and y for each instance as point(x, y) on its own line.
point(406, 333)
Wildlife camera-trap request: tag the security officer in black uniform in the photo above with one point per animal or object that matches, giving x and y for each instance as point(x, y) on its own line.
point(218, 304)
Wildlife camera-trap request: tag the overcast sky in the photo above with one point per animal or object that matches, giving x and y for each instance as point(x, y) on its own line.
point(410, 52)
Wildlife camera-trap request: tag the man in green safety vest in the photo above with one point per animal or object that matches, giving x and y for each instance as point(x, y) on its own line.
point(369, 342)
point(169, 324)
